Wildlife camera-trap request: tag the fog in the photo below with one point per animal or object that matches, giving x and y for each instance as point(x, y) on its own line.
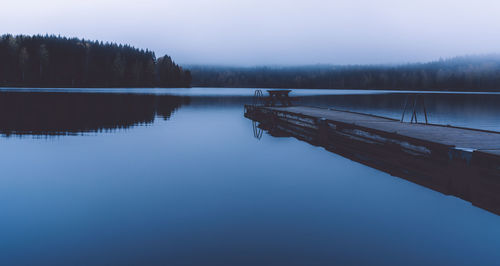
point(271, 32)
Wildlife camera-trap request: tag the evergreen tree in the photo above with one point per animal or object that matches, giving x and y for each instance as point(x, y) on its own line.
point(469, 73)
point(55, 61)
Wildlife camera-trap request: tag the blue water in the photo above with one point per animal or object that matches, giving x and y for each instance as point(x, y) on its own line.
point(196, 188)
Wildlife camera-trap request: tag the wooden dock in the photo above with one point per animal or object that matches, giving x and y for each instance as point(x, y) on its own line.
point(456, 161)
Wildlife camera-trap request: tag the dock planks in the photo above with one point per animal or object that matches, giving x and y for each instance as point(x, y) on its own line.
point(462, 138)
point(462, 162)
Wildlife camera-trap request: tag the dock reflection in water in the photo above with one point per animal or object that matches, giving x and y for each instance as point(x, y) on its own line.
point(50, 113)
point(472, 175)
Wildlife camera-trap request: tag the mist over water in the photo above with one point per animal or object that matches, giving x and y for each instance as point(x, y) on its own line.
point(276, 32)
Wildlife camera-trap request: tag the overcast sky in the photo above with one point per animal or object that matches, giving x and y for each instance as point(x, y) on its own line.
point(271, 32)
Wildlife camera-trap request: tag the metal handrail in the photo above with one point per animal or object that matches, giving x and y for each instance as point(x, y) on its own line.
point(258, 98)
point(414, 100)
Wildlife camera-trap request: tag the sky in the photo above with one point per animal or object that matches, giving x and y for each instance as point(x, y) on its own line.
point(271, 32)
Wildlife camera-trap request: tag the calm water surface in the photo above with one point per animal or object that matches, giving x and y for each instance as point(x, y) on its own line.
point(176, 177)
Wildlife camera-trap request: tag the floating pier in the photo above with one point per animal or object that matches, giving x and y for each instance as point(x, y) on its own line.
point(456, 161)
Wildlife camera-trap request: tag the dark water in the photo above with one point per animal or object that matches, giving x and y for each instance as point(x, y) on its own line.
point(177, 178)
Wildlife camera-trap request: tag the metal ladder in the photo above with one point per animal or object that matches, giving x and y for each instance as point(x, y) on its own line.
point(411, 103)
point(258, 98)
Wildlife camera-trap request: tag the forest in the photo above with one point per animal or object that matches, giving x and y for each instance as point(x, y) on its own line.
point(467, 73)
point(55, 61)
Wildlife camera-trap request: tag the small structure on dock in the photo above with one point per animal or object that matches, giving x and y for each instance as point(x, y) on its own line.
point(456, 161)
point(275, 98)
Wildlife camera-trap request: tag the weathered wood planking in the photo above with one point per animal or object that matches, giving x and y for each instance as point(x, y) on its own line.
point(455, 161)
point(451, 136)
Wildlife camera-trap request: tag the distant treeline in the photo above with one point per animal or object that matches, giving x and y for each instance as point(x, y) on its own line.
point(474, 73)
point(54, 61)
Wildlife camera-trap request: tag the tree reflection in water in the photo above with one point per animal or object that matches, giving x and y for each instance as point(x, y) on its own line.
point(49, 113)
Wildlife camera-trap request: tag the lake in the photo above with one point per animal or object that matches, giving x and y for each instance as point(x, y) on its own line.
point(176, 177)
